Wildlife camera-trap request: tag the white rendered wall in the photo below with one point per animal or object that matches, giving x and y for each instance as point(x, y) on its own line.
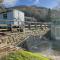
point(22, 19)
point(19, 17)
point(15, 15)
point(9, 17)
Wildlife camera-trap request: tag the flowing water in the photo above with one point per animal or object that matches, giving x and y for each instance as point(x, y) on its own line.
point(50, 48)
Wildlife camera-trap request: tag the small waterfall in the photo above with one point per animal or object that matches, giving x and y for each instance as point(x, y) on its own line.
point(41, 45)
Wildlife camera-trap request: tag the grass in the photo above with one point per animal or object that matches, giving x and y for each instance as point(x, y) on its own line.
point(24, 55)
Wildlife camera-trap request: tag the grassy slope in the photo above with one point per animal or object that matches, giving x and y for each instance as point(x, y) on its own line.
point(24, 55)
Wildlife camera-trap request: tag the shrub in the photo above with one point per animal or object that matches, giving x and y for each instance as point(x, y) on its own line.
point(23, 55)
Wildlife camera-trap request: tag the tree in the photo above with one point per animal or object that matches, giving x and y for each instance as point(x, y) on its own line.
point(48, 17)
point(1, 1)
point(2, 7)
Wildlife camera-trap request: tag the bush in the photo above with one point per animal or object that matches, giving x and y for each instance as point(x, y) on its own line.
point(24, 55)
point(21, 30)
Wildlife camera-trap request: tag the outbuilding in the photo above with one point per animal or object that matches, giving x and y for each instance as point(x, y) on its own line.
point(12, 17)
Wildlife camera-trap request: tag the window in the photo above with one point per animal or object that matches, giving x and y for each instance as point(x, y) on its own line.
point(5, 16)
point(56, 22)
point(57, 32)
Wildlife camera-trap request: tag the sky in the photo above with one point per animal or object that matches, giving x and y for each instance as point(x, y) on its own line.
point(43, 3)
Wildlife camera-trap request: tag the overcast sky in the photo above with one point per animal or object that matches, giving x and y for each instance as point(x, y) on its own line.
point(44, 3)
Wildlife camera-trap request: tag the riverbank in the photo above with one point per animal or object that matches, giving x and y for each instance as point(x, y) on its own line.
point(23, 55)
point(11, 40)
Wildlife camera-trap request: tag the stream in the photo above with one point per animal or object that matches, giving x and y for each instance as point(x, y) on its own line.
point(50, 48)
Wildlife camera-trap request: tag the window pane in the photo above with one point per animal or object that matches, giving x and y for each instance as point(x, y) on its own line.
point(57, 31)
point(5, 16)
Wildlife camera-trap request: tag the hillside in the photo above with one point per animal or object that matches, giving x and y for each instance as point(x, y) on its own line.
point(39, 13)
